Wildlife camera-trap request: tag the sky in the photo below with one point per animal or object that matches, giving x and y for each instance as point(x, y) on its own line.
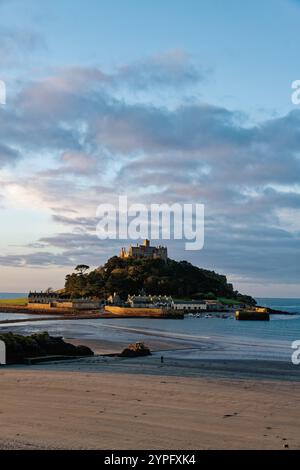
point(163, 101)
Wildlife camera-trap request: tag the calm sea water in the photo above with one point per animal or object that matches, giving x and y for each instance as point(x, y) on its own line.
point(15, 295)
point(16, 316)
point(191, 337)
point(287, 305)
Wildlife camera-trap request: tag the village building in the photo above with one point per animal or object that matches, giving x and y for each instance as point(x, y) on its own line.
point(114, 299)
point(189, 305)
point(214, 306)
point(149, 301)
point(52, 300)
point(158, 301)
point(42, 297)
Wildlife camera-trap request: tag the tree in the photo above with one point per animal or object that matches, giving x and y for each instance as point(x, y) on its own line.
point(129, 276)
point(81, 269)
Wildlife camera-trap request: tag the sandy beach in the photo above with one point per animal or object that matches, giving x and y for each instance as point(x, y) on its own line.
point(211, 392)
point(112, 403)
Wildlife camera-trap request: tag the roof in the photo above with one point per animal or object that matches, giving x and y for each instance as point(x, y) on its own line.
point(43, 294)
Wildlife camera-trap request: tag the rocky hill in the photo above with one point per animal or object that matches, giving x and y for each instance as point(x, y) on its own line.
point(130, 276)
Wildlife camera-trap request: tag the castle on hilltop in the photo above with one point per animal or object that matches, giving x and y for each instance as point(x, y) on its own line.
point(145, 251)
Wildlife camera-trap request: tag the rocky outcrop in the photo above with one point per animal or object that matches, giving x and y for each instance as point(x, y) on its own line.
point(19, 347)
point(136, 350)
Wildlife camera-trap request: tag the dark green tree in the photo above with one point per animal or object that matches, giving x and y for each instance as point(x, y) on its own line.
point(130, 276)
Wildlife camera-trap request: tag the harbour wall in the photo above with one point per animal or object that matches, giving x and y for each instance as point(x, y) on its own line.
point(143, 312)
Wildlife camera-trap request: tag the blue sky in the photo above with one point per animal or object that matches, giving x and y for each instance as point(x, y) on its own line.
point(249, 49)
point(98, 92)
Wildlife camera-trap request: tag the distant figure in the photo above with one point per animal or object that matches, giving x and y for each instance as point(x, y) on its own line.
point(162, 359)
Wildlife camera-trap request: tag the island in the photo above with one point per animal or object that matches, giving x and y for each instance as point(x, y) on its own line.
point(142, 281)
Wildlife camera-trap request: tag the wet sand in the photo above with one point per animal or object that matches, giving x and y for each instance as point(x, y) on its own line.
point(188, 402)
point(113, 403)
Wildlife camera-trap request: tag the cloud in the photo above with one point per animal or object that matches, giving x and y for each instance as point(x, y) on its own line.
point(86, 144)
point(37, 259)
point(18, 43)
point(73, 163)
point(173, 68)
point(8, 155)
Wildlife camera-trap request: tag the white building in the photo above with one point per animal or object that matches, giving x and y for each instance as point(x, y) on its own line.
point(189, 305)
point(150, 301)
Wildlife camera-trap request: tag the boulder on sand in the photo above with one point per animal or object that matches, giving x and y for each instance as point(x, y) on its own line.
point(136, 350)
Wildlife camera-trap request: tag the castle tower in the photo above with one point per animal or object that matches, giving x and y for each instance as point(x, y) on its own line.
point(145, 251)
point(123, 253)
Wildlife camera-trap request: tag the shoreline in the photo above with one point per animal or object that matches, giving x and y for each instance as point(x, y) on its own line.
point(255, 369)
point(189, 340)
point(217, 369)
point(101, 313)
point(60, 314)
point(107, 402)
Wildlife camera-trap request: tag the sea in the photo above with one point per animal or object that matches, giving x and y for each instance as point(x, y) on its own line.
point(9, 295)
point(192, 338)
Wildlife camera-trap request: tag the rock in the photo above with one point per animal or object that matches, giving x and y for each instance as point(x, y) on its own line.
point(136, 350)
point(19, 347)
point(83, 351)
